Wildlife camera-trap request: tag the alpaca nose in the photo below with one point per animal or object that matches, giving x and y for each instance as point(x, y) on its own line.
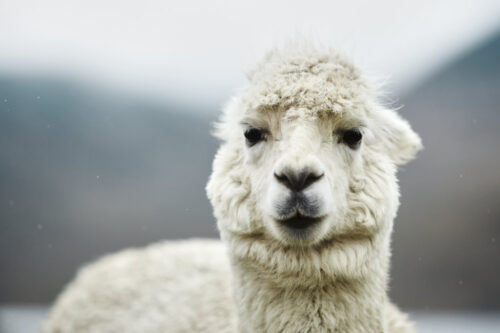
point(297, 180)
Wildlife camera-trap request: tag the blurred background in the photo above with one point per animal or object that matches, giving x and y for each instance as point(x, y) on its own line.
point(105, 104)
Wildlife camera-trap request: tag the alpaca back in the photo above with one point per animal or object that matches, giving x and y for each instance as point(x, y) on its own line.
point(172, 286)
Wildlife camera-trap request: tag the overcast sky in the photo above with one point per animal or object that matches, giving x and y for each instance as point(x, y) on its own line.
point(197, 51)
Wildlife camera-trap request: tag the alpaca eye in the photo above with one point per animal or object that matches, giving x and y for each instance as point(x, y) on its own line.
point(253, 136)
point(352, 138)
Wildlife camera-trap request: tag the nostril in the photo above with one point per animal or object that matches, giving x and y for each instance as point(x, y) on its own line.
point(297, 181)
point(311, 178)
point(281, 177)
point(285, 178)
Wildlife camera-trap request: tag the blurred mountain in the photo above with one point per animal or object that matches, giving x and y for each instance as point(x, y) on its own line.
point(447, 251)
point(84, 172)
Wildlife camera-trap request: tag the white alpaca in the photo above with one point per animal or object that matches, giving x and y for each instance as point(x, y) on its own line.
point(304, 190)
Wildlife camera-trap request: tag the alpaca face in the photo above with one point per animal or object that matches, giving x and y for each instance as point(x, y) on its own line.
point(308, 155)
point(300, 171)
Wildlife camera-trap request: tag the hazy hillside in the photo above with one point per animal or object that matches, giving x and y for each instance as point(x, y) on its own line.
point(448, 232)
point(84, 172)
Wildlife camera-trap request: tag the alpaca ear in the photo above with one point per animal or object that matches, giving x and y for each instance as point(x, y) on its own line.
point(399, 140)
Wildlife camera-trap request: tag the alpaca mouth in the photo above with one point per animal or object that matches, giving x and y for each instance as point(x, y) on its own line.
point(299, 222)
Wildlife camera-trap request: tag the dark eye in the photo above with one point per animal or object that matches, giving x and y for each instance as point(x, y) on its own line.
point(352, 138)
point(253, 136)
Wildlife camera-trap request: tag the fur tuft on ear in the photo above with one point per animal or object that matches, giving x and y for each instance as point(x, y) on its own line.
point(399, 140)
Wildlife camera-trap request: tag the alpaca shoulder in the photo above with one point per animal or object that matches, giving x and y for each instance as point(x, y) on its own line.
point(145, 290)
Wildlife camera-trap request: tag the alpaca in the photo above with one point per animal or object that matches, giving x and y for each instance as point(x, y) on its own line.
point(304, 191)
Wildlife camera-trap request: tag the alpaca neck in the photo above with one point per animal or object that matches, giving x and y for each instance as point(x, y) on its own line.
point(273, 302)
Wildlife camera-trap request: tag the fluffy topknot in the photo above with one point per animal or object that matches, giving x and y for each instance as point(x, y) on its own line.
point(304, 77)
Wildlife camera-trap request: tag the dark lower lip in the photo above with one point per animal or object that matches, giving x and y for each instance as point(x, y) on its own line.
point(300, 222)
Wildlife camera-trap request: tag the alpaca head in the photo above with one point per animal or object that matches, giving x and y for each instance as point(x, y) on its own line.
point(308, 155)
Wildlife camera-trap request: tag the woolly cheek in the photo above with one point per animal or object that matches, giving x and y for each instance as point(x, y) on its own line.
point(373, 195)
point(229, 192)
point(335, 188)
point(259, 164)
point(235, 212)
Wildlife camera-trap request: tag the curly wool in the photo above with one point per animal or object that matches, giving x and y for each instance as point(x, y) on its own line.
point(306, 80)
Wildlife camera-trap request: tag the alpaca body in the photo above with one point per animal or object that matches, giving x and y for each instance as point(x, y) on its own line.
point(186, 286)
point(305, 194)
point(176, 287)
